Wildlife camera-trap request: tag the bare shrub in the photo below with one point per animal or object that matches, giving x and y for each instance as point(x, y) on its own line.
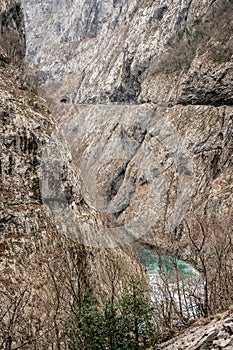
point(212, 253)
point(176, 297)
point(181, 297)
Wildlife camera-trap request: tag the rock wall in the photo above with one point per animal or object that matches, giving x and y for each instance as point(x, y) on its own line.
point(216, 334)
point(42, 271)
point(132, 51)
point(12, 36)
point(41, 268)
point(174, 55)
point(110, 174)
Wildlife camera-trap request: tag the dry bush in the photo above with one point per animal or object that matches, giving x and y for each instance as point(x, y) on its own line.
point(211, 248)
point(179, 298)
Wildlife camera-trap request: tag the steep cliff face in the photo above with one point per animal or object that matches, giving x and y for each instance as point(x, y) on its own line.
point(169, 158)
point(12, 37)
point(115, 169)
point(40, 268)
point(132, 51)
point(42, 271)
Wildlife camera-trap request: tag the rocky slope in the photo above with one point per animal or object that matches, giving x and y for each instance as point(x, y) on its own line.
point(177, 149)
point(42, 271)
point(111, 169)
point(216, 334)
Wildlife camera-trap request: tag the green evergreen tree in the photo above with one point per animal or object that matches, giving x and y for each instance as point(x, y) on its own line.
point(124, 325)
point(137, 314)
point(84, 327)
point(114, 328)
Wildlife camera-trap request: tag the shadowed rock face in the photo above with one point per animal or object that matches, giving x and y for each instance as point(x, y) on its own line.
point(12, 37)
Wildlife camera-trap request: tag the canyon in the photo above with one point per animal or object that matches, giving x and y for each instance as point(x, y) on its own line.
point(129, 144)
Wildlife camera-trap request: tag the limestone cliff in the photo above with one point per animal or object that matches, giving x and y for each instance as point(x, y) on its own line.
point(167, 154)
point(42, 271)
point(12, 37)
point(143, 94)
point(132, 51)
point(141, 148)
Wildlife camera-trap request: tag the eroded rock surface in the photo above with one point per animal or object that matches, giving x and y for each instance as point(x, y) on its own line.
point(39, 266)
point(42, 271)
point(176, 55)
point(215, 335)
point(12, 36)
point(109, 174)
point(132, 51)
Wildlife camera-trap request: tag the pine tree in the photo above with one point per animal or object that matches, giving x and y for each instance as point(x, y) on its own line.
point(137, 316)
point(84, 327)
point(124, 325)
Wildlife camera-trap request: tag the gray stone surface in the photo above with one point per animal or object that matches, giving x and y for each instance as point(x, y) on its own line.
point(40, 268)
point(175, 54)
point(215, 335)
point(114, 169)
point(12, 34)
point(131, 52)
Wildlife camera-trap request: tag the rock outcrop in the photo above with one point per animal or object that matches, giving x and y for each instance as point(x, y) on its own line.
point(12, 36)
point(216, 334)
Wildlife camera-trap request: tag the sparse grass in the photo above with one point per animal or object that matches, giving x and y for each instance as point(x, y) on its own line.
point(142, 101)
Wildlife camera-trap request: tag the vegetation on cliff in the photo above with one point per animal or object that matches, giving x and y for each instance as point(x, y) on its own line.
point(164, 166)
point(127, 323)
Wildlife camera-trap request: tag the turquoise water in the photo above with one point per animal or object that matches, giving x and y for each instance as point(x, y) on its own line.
point(154, 262)
point(180, 291)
